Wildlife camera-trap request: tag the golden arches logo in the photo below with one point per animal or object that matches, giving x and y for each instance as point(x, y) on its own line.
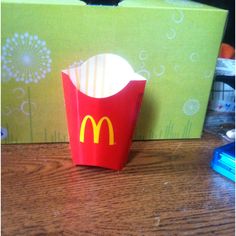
point(97, 128)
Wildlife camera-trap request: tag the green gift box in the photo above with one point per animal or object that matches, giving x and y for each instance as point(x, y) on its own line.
point(173, 44)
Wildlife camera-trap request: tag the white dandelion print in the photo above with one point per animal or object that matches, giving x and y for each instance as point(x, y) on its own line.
point(143, 56)
point(171, 34)
point(159, 72)
point(191, 107)
point(145, 73)
point(27, 108)
point(178, 16)
point(194, 57)
point(5, 75)
point(76, 64)
point(25, 58)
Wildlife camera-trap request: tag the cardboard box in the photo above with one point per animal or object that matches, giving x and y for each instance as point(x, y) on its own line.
point(174, 44)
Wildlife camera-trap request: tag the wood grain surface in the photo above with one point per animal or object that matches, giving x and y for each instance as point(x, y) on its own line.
point(167, 188)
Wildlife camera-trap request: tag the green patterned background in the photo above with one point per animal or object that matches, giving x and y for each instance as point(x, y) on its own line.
point(174, 44)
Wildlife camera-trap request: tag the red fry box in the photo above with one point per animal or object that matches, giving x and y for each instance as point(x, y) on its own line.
point(103, 98)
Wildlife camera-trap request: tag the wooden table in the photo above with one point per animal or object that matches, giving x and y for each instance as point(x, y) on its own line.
point(167, 188)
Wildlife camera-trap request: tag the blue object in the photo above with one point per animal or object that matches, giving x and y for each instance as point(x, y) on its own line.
point(223, 160)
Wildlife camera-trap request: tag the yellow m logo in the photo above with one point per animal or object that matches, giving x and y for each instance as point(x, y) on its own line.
point(96, 129)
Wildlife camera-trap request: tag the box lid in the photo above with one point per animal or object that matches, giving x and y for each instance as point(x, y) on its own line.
point(184, 4)
point(56, 2)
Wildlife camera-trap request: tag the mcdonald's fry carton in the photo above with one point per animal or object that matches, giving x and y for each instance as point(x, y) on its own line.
point(103, 98)
point(172, 43)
